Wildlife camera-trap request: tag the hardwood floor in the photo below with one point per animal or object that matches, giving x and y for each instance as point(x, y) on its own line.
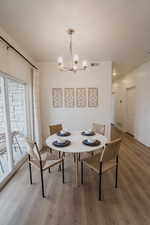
point(22, 204)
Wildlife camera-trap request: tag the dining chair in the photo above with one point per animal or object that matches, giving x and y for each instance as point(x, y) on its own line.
point(104, 161)
point(55, 128)
point(99, 128)
point(41, 161)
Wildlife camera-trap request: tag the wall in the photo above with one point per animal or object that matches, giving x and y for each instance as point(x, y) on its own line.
point(140, 78)
point(11, 63)
point(75, 118)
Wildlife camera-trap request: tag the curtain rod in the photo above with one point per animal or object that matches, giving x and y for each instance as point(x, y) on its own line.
point(9, 45)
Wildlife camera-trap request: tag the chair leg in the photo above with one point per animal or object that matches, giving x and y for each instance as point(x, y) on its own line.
point(49, 170)
point(30, 170)
point(63, 171)
point(74, 157)
point(116, 181)
point(79, 157)
point(100, 182)
point(42, 182)
point(82, 172)
point(59, 168)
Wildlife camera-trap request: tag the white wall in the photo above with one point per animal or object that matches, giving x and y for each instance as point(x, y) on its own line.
point(10, 62)
point(76, 118)
point(140, 78)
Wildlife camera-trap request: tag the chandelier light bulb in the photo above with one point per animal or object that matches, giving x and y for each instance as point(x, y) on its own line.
point(76, 59)
point(60, 61)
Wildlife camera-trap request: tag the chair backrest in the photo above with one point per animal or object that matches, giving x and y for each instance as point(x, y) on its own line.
point(32, 148)
point(55, 128)
point(111, 151)
point(99, 128)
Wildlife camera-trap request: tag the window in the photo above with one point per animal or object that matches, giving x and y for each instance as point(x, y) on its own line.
point(12, 123)
point(4, 168)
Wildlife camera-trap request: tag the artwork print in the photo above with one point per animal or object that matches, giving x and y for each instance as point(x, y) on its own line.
point(92, 97)
point(57, 96)
point(69, 101)
point(81, 97)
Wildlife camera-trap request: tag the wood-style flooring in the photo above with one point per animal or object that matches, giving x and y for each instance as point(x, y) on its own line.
point(22, 204)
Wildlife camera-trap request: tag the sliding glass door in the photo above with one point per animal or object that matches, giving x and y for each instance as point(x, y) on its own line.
point(17, 111)
point(4, 166)
point(12, 123)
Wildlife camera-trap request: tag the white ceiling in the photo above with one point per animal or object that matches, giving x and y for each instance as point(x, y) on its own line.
point(117, 30)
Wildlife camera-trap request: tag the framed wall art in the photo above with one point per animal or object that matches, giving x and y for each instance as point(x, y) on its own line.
point(92, 97)
point(69, 99)
point(81, 97)
point(57, 96)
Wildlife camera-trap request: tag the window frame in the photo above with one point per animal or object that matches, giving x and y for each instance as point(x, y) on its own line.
point(12, 167)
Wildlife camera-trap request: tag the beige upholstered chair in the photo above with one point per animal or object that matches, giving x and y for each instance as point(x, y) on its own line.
point(104, 161)
point(41, 161)
point(99, 128)
point(55, 128)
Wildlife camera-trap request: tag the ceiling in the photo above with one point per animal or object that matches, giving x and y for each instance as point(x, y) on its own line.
point(117, 30)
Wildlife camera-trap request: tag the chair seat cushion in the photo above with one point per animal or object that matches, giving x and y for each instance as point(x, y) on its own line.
point(94, 163)
point(48, 160)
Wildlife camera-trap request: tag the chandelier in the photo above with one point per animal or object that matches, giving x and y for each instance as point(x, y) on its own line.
point(74, 66)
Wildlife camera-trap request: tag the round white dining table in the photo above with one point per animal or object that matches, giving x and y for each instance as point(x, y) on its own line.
point(76, 146)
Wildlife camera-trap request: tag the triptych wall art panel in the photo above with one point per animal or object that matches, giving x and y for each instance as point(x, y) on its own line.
point(92, 97)
point(81, 100)
point(69, 99)
point(57, 95)
point(79, 97)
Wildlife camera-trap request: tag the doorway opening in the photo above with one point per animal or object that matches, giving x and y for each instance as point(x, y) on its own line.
point(131, 110)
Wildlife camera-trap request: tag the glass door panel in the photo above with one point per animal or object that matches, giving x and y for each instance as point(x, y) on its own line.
point(17, 111)
point(4, 164)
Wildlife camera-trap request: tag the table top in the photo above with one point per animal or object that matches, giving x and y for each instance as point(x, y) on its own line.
point(76, 145)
